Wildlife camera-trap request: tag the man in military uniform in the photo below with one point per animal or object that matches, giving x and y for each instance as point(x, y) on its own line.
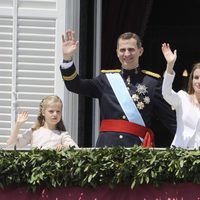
point(128, 98)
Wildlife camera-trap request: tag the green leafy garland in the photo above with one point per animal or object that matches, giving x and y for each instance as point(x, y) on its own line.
point(95, 167)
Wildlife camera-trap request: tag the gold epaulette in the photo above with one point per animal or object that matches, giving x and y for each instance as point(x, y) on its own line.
point(151, 73)
point(111, 70)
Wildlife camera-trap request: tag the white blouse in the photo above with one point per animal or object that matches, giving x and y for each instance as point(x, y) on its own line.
point(44, 138)
point(187, 115)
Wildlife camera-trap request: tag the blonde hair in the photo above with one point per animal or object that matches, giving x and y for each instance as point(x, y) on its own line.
point(190, 85)
point(46, 101)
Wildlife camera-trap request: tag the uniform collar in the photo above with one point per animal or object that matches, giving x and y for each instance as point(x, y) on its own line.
point(127, 72)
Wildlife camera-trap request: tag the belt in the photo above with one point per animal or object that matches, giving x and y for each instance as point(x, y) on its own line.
point(110, 125)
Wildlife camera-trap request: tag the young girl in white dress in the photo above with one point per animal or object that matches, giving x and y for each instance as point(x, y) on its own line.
point(48, 132)
point(186, 104)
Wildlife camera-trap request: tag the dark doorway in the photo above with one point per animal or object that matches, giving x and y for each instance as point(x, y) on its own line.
point(86, 71)
point(176, 23)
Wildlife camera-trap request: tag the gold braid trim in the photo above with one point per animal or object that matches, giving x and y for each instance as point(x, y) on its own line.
point(111, 70)
point(151, 73)
point(71, 77)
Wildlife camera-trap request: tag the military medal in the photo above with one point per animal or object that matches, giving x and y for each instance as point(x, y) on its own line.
point(128, 80)
point(146, 100)
point(140, 105)
point(135, 97)
point(141, 89)
point(140, 96)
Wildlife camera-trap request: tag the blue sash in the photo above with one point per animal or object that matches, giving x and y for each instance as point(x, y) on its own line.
point(126, 102)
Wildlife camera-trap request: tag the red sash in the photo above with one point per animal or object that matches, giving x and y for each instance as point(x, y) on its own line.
point(108, 125)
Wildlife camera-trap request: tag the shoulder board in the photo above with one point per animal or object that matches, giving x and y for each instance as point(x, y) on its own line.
point(111, 71)
point(151, 73)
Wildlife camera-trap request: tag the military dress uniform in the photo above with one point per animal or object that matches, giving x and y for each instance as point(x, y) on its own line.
point(145, 90)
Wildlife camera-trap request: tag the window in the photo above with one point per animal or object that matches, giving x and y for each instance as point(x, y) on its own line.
point(30, 53)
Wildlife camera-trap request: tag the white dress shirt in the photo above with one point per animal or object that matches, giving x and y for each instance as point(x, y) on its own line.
point(187, 115)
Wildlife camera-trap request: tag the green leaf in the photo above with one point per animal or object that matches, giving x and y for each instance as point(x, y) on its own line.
point(96, 167)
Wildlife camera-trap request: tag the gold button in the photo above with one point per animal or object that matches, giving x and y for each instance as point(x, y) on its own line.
point(121, 136)
point(124, 117)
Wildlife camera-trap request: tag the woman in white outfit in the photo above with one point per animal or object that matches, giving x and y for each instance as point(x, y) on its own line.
point(186, 104)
